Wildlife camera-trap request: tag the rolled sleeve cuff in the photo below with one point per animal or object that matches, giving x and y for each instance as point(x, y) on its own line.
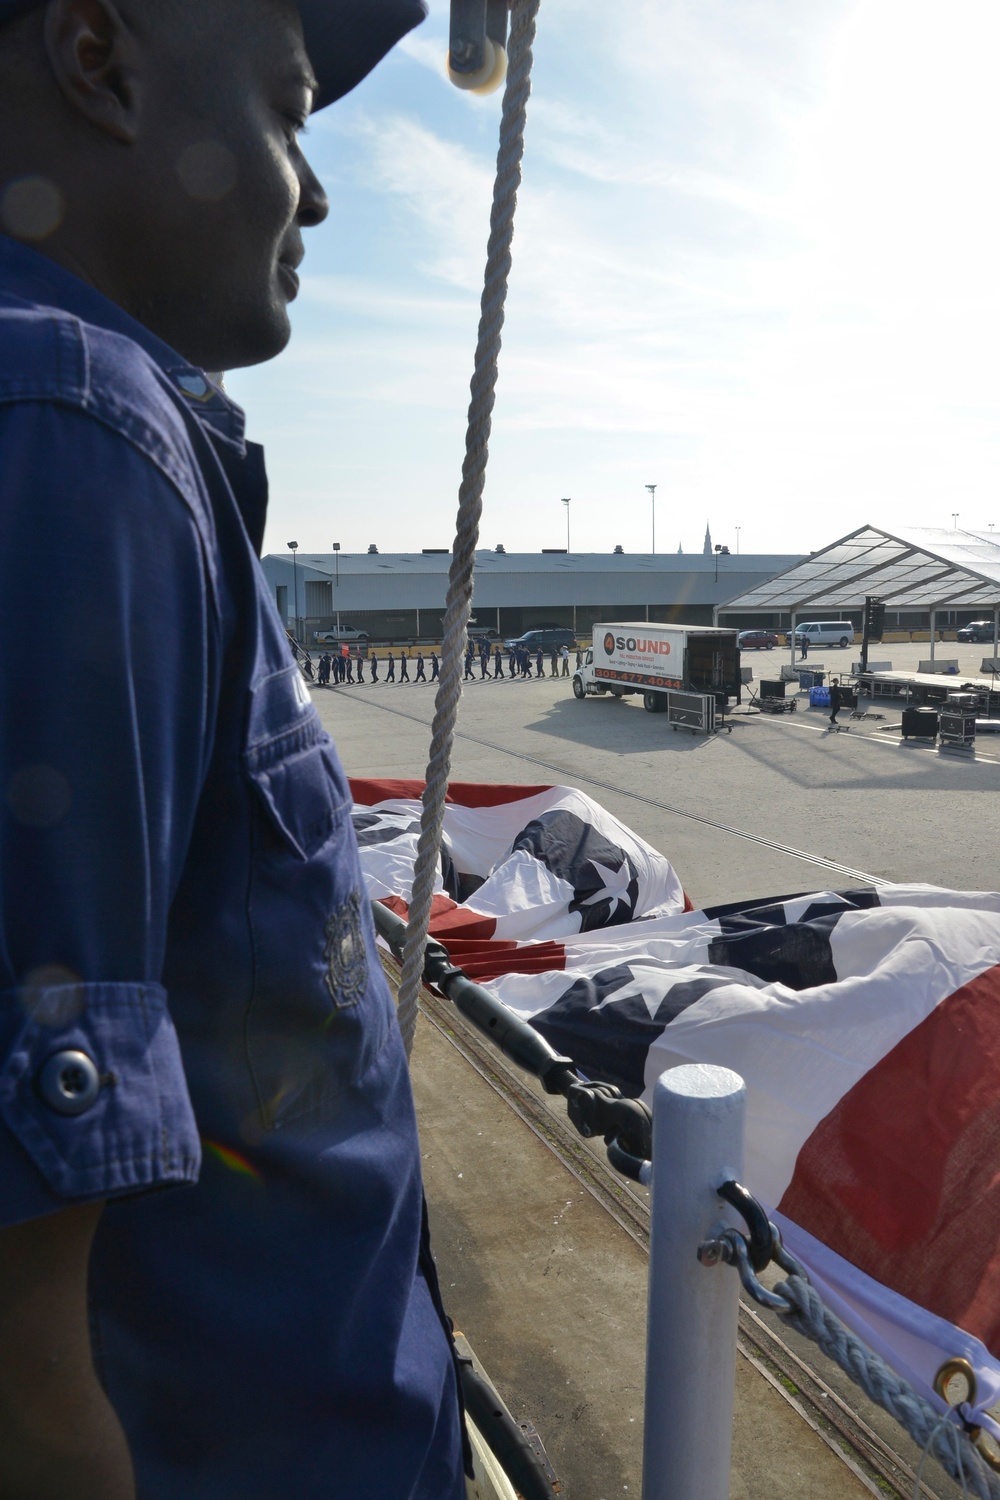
point(92, 1097)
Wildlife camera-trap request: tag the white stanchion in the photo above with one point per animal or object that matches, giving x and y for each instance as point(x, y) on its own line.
point(698, 1119)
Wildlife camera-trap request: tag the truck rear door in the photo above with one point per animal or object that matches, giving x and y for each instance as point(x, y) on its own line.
point(713, 664)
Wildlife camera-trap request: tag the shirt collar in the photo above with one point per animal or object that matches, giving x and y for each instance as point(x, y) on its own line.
point(29, 274)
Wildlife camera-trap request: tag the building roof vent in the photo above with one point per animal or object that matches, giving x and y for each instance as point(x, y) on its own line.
point(620, 551)
point(501, 549)
point(435, 551)
point(373, 550)
point(560, 550)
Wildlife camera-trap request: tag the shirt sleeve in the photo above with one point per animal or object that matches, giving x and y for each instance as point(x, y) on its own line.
point(109, 646)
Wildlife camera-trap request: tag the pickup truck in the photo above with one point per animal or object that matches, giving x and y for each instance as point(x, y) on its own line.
point(338, 636)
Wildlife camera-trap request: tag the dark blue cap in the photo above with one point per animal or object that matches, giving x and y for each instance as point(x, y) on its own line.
point(344, 38)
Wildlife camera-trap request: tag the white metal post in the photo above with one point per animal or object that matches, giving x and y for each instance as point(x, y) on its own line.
point(698, 1117)
point(933, 630)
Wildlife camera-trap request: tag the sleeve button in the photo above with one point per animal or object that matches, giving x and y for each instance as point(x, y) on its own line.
point(69, 1083)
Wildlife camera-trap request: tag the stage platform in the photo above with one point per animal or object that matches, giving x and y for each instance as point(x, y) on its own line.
point(927, 687)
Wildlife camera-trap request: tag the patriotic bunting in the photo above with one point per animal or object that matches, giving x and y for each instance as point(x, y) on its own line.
point(866, 1025)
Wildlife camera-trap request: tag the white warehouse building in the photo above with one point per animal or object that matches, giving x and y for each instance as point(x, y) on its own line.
point(400, 596)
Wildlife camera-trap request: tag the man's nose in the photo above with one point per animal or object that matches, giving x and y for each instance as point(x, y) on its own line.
point(314, 205)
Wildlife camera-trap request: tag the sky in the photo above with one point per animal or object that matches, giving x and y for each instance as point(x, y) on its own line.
point(755, 264)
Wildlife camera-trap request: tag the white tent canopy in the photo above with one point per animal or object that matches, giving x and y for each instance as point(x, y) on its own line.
point(920, 568)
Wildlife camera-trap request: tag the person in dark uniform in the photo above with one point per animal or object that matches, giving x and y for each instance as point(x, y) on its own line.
point(271, 1325)
point(390, 671)
point(404, 666)
point(374, 666)
point(359, 664)
point(470, 656)
point(484, 661)
point(348, 665)
point(420, 675)
point(497, 663)
point(539, 663)
point(307, 666)
point(836, 700)
point(804, 647)
point(324, 669)
point(435, 667)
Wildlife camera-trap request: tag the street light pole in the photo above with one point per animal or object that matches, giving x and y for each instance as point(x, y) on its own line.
point(738, 530)
point(566, 502)
point(652, 495)
point(336, 553)
point(954, 516)
point(293, 548)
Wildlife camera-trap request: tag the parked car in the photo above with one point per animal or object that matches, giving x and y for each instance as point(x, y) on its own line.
point(552, 639)
point(825, 633)
point(756, 640)
point(977, 630)
point(343, 632)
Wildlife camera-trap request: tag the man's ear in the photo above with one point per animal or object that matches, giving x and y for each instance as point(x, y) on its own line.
point(94, 54)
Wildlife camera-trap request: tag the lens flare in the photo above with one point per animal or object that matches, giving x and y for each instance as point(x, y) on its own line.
point(231, 1159)
point(31, 208)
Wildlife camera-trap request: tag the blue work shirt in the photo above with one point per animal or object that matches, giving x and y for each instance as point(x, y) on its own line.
point(191, 994)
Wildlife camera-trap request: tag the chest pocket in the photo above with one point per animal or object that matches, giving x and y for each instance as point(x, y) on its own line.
point(320, 1009)
point(291, 764)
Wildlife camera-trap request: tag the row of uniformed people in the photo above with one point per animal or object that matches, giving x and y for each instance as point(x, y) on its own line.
point(348, 666)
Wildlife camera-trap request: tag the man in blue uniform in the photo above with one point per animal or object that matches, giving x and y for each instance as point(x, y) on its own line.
point(215, 1282)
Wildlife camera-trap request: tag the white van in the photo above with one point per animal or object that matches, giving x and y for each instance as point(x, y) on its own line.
point(825, 633)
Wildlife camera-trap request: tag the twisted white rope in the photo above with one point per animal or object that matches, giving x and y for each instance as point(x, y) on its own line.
point(470, 505)
point(949, 1444)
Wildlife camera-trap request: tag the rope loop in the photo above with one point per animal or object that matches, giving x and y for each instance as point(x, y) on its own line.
point(797, 1303)
point(949, 1443)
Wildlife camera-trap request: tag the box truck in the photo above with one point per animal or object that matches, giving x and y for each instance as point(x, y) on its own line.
point(660, 660)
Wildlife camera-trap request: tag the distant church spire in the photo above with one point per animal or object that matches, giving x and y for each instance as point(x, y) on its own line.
point(707, 549)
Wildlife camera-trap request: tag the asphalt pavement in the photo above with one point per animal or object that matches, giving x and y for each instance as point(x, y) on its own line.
point(777, 806)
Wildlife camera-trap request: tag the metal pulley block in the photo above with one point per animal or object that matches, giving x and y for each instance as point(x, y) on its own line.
point(477, 45)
